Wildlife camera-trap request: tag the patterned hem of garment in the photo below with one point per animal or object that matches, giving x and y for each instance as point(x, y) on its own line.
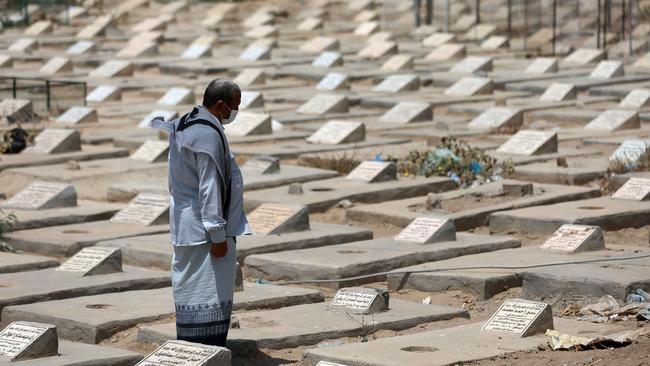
point(203, 320)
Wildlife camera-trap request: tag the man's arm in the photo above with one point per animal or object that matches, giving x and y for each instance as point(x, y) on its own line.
point(210, 187)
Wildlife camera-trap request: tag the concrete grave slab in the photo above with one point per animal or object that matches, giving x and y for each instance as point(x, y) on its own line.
point(320, 44)
point(520, 318)
point(398, 83)
point(339, 132)
point(175, 352)
point(571, 239)
point(78, 115)
point(615, 119)
point(28, 340)
point(559, 92)
point(398, 63)
point(104, 93)
point(334, 81)
point(378, 50)
point(542, 65)
point(165, 114)
point(447, 52)
point(10, 262)
point(469, 86)
point(135, 49)
point(249, 124)
point(55, 141)
point(630, 152)
point(578, 171)
point(113, 68)
point(56, 65)
point(256, 53)
point(310, 24)
point(584, 56)
point(322, 104)
point(6, 61)
point(637, 98)
point(16, 110)
point(438, 39)
point(365, 29)
point(177, 96)
point(608, 70)
point(23, 45)
point(473, 64)
point(494, 43)
point(530, 142)
point(480, 32)
point(152, 24)
point(328, 59)
point(96, 28)
point(248, 77)
point(407, 112)
point(498, 119)
point(635, 189)
point(262, 31)
point(251, 100)
point(39, 28)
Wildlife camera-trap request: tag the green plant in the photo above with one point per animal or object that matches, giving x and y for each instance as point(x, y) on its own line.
point(7, 222)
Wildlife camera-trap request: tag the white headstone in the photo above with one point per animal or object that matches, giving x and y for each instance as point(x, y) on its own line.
point(276, 219)
point(42, 196)
point(249, 123)
point(584, 56)
point(76, 115)
point(324, 104)
point(558, 92)
point(81, 47)
point(96, 28)
point(358, 300)
point(378, 50)
point(366, 16)
point(165, 114)
point(251, 99)
point(56, 65)
point(326, 363)
point(438, 39)
point(495, 43)
point(328, 59)
point(104, 93)
point(542, 65)
point(138, 49)
point(257, 19)
point(17, 110)
point(572, 239)
point(615, 119)
point(380, 37)
point(608, 70)
point(256, 53)
point(447, 51)
point(113, 68)
point(177, 96)
point(152, 24)
point(248, 77)
point(636, 189)
point(398, 63)
point(152, 151)
point(480, 32)
point(94, 261)
point(366, 29)
point(145, 209)
point(320, 44)
point(6, 61)
point(631, 151)
point(334, 81)
point(180, 353)
point(262, 31)
point(373, 172)
point(473, 64)
point(262, 165)
point(498, 119)
point(530, 142)
point(55, 141)
point(408, 112)
point(24, 45)
point(196, 50)
point(521, 318)
point(398, 83)
point(39, 28)
point(310, 24)
point(25, 340)
point(339, 132)
point(469, 86)
point(428, 230)
point(638, 98)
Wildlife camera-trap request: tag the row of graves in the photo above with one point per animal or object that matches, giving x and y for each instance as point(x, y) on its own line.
point(322, 81)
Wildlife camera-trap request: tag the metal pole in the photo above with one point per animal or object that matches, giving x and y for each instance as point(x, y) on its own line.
point(598, 26)
point(47, 94)
point(525, 25)
point(447, 15)
point(631, 25)
point(85, 93)
point(605, 25)
point(416, 9)
point(478, 11)
point(579, 18)
point(429, 12)
point(13, 87)
point(623, 10)
point(554, 23)
point(509, 19)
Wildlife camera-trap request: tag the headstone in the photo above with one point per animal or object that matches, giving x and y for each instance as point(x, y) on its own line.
point(72, 12)
point(96, 28)
point(276, 219)
point(152, 24)
point(113, 68)
point(521, 318)
point(480, 32)
point(145, 209)
point(24, 45)
point(42, 196)
point(326, 363)
point(608, 70)
point(469, 86)
point(128, 6)
point(615, 119)
point(635, 189)
point(559, 92)
point(248, 77)
point(530, 142)
point(572, 239)
point(438, 39)
point(498, 119)
point(177, 96)
point(366, 16)
point(262, 165)
point(251, 99)
point(328, 59)
point(25, 340)
point(216, 14)
point(359, 301)
point(6, 61)
point(371, 171)
point(642, 62)
point(517, 189)
point(637, 98)
point(495, 43)
point(201, 47)
point(631, 151)
point(398, 63)
point(81, 47)
point(256, 53)
point(249, 124)
point(408, 112)
point(398, 83)
point(334, 81)
point(39, 28)
point(263, 31)
point(56, 65)
point(76, 115)
point(180, 353)
point(584, 56)
point(446, 52)
point(147, 37)
point(104, 93)
point(380, 37)
point(165, 114)
point(366, 29)
point(339, 132)
point(94, 261)
point(378, 50)
point(152, 151)
point(257, 19)
point(17, 110)
point(428, 230)
point(360, 5)
point(542, 65)
point(320, 44)
point(55, 141)
point(310, 24)
point(473, 64)
point(324, 104)
point(138, 49)
point(542, 37)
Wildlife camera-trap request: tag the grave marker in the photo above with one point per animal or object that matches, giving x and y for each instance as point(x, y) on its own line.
point(521, 318)
point(152, 151)
point(39, 28)
point(438, 39)
point(113, 68)
point(378, 50)
point(495, 43)
point(310, 24)
point(258, 19)
point(360, 301)
point(320, 44)
point(180, 353)
point(469, 86)
point(371, 171)
point(446, 52)
point(94, 261)
point(408, 112)
point(530, 142)
point(615, 119)
point(197, 50)
point(339, 132)
point(55, 141)
point(542, 65)
point(428, 230)
point(498, 119)
point(480, 32)
point(96, 28)
point(42, 196)
point(24, 45)
point(262, 165)
point(6, 61)
point(165, 114)
point(573, 239)
point(334, 81)
point(276, 219)
point(398, 63)
point(248, 77)
point(608, 70)
point(635, 189)
point(152, 24)
point(104, 93)
point(81, 48)
point(145, 209)
point(366, 16)
point(56, 65)
point(361, 5)
point(398, 83)
point(324, 104)
point(249, 124)
point(630, 152)
point(637, 98)
point(177, 96)
point(256, 53)
point(76, 115)
point(380, 37)
point(367, 28)
point(473, 64)
point(138, 49)
point(26, 340)
point(584, 56)
point(17, 110)
point(328, 59)
point(326, 363)
point(251, 99)
point(263, 31)
point(559, 92)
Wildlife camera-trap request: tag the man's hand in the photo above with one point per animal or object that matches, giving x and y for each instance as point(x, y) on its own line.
point(219, 250)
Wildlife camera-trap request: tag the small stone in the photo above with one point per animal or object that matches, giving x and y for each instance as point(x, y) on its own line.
point(73, 165)
point(541, 347)
point(295, 188)
point(432, 202)
point(518, 190)
point(234, 323)
point(345, 204)
point(561, 162)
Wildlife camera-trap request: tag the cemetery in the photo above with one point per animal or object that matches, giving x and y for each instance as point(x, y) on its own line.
point(418, 182)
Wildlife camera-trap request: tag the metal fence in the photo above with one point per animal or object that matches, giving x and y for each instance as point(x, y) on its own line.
point(53, 96)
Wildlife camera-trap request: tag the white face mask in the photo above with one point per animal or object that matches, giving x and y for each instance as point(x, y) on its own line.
point(231, 119)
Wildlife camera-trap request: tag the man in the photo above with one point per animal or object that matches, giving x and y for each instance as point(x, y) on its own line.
point(206, 215)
